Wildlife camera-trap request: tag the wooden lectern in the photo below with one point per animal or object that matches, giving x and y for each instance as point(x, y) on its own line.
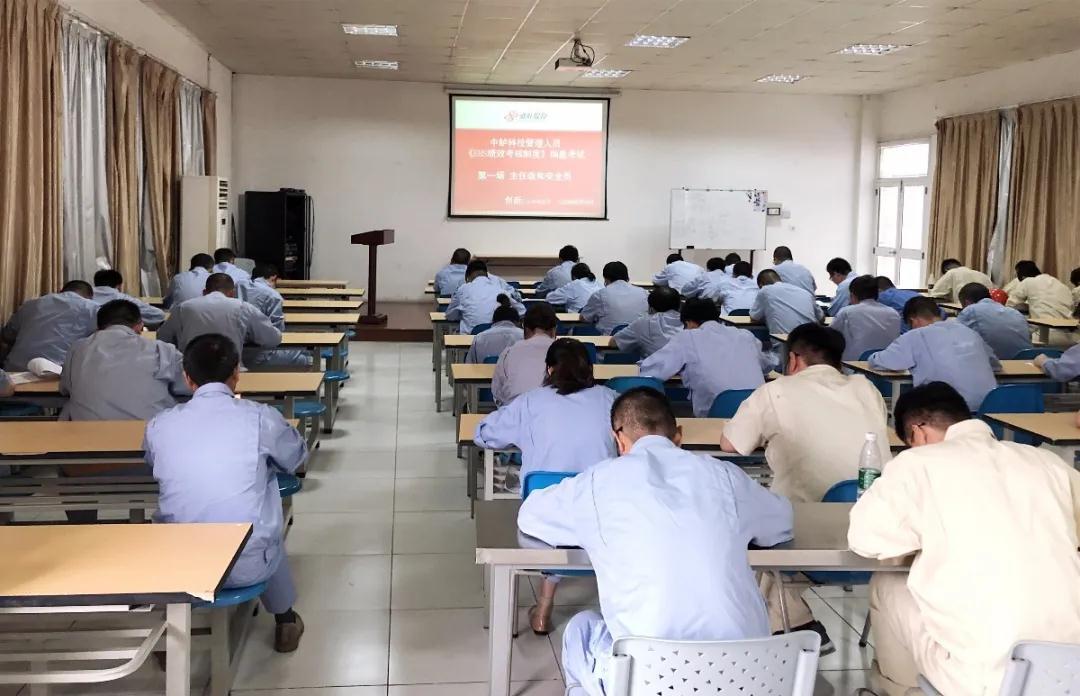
point(373, 240)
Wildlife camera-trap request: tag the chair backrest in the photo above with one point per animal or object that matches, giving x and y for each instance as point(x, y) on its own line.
point(843, 492)
point(535, 480)
point(1013, 398)
point(739, 313)
point(1042, 668)
point(585, 330)
point(867, 353)
point(591, 350)
point(727, 402)
point(783, 665)
point(615, 357)
point(491, 360)
point(625, 384)
point(618, 328)
point(1032, 353)
point(480, 327)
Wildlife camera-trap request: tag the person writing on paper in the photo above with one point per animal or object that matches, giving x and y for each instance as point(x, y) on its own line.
point(1067, 367)
point(190, 283)
point(475, 302)
point(1003, 328)
point(109, 286)
point(782, 306)
point(522, 366)
point(261, 292)
point(677, 273)
point(560, 275)
point(225, 262)
point(709, 283)
point(738, 293)
point(666, 531)
point(504, 332)
point(648, 334)
point(993, 529)
point(46, 326)
point(937, 350)
point(792, 273)
point(954, 276)
point(617, 303)
point(216, 459)
point(788, 416)
point(1040, 294)
point(577, 292)
point(840, 273)
point(452, 276)
point(711, 357)
point(116, 374)
point(865, 324)
point(559, 426)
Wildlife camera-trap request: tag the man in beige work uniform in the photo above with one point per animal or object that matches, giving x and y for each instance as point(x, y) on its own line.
point(994, 526)
point(813, 424)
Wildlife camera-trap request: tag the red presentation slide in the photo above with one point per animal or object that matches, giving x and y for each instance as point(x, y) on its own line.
point(529, 158)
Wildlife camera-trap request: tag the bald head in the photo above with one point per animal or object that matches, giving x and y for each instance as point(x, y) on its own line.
point(767, 277)
point(220, 282)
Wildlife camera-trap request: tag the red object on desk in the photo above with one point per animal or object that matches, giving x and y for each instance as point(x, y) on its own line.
point(373, 240)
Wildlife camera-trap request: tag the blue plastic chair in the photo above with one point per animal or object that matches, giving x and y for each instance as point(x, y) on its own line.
point(485, 395)
point(618, 328)
point(1032, 353)
point(739, 313)
point(591, 350)
point(232, 596)
point(843, 492)
point(288, 484)
point(536, 480)
point(727, 403)
point(882, 385)
point(14, 409)
point(614, 357)
point(1013, 398)
point(625, 384)
point(677, 395)
point(585, 330)
point(479, 328)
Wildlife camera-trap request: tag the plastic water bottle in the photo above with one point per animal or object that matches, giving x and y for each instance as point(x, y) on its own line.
point(869, 463)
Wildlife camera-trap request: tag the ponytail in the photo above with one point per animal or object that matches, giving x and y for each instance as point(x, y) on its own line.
point(582, 270)
point(505, 311)
point(571, 370)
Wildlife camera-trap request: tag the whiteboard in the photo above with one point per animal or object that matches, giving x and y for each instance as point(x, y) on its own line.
point(718, 219)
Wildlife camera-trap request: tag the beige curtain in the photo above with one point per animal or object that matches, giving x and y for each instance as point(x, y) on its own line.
point(209, 107)
point(161, 140)
point(1045, 211)
point(963, 209)
point(122, 156)
point(31, 95)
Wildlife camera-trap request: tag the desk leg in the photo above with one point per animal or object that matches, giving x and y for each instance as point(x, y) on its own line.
point(178, 650)
point(779, 578)
point(1044, 335)
point(895, 395)
point(474, 398)
point(473, 458)
point(500, 620)
point(290, 408)
point(316, 359)
point(436, 360)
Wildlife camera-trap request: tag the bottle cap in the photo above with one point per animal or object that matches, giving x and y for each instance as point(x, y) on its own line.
point(871, 437)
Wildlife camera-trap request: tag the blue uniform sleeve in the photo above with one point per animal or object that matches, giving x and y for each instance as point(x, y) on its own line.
point(167, 300)
point(549, 513)
point(629, 339)
point(1065, 368)
point(547, 284)
point(840, 300)
point(453, 312)
point(661, 278)
point(171, 369)
point(757, 311)
point(259, 329)
point(666, 362)
point(277, 312)
point(503, 427)
point(839, 322)
point(898, 356)
point(594, 308)
point(695, 286)
point(765, 517)
point(151, 315)
point(170, 330)
point(560, 296)
point(283, 446)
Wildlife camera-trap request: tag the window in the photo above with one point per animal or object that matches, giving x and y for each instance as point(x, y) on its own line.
point(901, 190)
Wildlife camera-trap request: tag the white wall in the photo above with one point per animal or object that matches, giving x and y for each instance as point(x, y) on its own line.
point(375, 154)
point(150, 32)
point(912, 112)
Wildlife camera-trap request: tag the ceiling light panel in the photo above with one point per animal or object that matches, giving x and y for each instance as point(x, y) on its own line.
point(872, 49)
point(648, 41)
point(605, 74)
point(370, 29)
point(377, 64)
point(782, 78)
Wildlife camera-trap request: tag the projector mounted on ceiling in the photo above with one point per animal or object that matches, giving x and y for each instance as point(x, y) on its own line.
point(581, 59)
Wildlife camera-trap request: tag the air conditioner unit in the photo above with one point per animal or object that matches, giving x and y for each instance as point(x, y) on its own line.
point(204, 216)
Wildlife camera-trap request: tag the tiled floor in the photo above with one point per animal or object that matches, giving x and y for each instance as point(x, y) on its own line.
point(382, 548)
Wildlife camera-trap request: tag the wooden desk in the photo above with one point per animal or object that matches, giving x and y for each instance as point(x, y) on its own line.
point(98, 565)
point(1045, 324)
point(820, 543)
point(285, 283)
point(1057, 429)
point(320, 293)
point(331, 320)
point(276, 386)
point(441, 326)
point(316, 305)
point(457, 345)
point(748, 323)
point(313, 342)
point(1012, 371)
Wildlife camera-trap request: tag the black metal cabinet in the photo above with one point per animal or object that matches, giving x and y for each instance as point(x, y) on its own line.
point(279, 229)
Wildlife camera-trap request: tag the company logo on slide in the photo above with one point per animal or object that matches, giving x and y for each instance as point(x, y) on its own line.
point(513, 116)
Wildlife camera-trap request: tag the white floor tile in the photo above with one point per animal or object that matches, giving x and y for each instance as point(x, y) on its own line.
point(341, 583)
point(438, 581)
point(572, 591)
point(841, 683)
point(339, 494)
point(848, 654)
point(434, 532)
point(534, 688)
point(333, 464)
point(430, 494)
point(451, 645)
point(430, 463)
point(340, 533)
point(339, 648)
point(318, 691)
